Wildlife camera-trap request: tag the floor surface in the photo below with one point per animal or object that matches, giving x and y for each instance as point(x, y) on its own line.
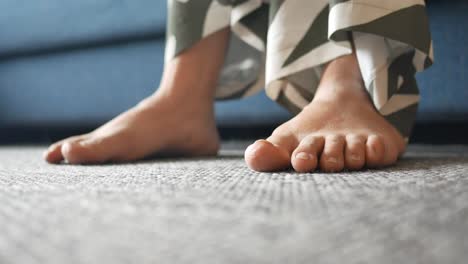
point(217, 211)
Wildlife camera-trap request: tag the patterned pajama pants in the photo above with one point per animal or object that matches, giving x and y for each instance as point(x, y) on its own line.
point(283, 45)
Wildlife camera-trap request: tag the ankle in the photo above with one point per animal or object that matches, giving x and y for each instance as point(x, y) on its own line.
point(185, 103)
point(189, 95)
point(186, 87)
point(342, 91)
point(342, 80)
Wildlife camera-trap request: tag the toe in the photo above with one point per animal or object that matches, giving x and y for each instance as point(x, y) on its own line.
point(283, 139)
point(266, 156)
point(392, 152)
point(91, 150)
point(72, 152)
point(332, 158)
point(305, 156)
point(355, 152)
point(375, 151)
point(53, 154)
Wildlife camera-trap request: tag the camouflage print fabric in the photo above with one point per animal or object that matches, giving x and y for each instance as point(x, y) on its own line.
point(283, 45)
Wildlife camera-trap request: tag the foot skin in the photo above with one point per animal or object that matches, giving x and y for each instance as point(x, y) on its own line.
point(340, 129)
point(153, 126)
point(170, 121)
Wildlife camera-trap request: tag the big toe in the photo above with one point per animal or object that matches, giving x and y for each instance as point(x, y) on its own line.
point(54, 153)
point(265, 156)
point(88, 151)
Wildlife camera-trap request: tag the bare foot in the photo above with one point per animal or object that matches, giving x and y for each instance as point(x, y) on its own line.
point(178, 118)
point(340, 129)
point(158, 124)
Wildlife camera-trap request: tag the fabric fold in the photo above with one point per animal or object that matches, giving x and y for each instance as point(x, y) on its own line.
point(284, 45)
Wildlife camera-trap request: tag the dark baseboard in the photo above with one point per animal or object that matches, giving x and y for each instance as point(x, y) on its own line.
point(423, 133)
point(440, 133)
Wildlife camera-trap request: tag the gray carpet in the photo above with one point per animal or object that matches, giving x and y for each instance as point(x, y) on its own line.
point(217, 211)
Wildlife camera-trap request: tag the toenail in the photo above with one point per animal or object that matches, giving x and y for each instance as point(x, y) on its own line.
point(332, 160)
point(304, 156)
point(355, 157)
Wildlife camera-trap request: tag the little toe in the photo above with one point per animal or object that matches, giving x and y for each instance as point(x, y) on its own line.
point(375, 151)
point(332, 158)
point(265, 156)
point(355, 152)
point(305, 156)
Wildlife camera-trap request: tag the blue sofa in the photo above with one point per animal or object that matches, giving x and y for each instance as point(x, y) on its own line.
point(67, 63)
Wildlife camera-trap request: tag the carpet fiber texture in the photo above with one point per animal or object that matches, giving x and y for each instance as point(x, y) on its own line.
point(216, 210)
